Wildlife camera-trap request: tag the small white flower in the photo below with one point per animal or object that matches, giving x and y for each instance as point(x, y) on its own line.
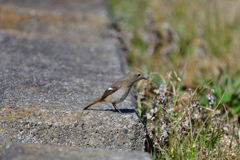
point(149, 116)
point(210, 99)
point(151, 111)
point(212, 90)
point(196, 116)
point(156, 91)
point(218, 111)
point(225, 129)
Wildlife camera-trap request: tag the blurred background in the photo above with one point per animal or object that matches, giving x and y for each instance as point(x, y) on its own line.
point(163, 35)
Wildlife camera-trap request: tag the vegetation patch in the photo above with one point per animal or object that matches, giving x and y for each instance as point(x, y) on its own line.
point(191, 105)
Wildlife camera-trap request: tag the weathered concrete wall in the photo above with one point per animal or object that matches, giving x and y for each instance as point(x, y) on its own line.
point(47, 152)
point(56, 57)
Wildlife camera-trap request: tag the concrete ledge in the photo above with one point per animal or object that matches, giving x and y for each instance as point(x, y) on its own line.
point(101, 129)
point(45, 82)
point(45, 152)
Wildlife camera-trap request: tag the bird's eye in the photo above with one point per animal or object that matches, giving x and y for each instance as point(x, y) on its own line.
point(139, 75)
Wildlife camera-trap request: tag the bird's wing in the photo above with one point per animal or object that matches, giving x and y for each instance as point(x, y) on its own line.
point(113, 88)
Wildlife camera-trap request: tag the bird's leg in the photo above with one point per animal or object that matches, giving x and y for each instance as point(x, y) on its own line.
point(115, 106)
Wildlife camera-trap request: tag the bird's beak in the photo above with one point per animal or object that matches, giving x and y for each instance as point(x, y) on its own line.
point(145, 77)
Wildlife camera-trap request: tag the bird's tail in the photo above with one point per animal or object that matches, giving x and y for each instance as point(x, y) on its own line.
point(93, 103)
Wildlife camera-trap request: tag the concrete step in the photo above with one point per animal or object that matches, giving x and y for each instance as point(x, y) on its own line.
point(50, 69)
point(47, 152)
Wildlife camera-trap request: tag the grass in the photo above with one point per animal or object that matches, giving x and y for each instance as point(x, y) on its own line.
point(190, 51)
point(159, 34)
point(180, 127)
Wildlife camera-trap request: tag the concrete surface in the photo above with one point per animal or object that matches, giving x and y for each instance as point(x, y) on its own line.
point(56, 57)
point(46, 152)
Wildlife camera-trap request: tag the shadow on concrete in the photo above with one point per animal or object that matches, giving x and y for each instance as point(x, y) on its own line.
point(113, 110)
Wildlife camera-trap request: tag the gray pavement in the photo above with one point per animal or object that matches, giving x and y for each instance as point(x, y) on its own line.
point(56, 57)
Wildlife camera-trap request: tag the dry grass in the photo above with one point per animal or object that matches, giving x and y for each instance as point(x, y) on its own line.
point(191, 116)
point(186, 124)
point(161, 33)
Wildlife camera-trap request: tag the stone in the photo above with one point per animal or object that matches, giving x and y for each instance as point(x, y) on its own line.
point(56, 57)
point(18, 151)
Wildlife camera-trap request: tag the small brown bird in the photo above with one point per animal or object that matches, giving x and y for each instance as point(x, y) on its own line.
point(119, 90)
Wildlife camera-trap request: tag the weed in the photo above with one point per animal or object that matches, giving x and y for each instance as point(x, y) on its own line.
point(180, 127)
point(193, 116)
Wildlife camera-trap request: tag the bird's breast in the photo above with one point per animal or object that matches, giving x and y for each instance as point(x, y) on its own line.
point(118, 96)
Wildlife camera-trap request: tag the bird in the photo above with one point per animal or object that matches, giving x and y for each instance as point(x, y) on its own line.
point(119, 90)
